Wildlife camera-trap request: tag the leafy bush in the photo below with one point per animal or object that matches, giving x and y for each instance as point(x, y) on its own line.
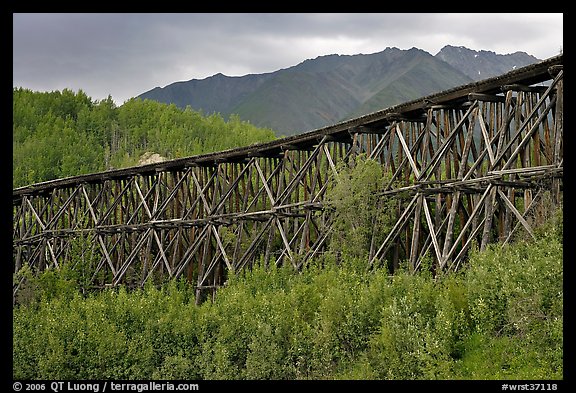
point(499, 318)
point(359, 214)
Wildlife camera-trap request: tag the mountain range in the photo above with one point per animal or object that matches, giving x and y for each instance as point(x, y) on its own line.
point(333, 88)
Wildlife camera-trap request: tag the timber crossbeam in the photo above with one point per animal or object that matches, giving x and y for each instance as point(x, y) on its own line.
point(470, 165)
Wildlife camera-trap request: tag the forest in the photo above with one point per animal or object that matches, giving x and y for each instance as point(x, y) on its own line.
point(65, 133)
point(499, 317)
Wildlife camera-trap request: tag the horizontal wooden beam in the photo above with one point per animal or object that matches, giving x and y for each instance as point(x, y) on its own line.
point(486, 97)
point(528, 89)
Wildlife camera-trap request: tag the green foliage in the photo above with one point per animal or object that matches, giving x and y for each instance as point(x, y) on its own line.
point(60, 134)
point(501, 318)
point(359, 214)
point(504, 357)
point(71, 277)
point(515, 298)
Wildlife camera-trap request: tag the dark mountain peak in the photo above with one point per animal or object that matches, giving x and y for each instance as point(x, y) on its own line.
point(417, 50)
point(450, 50)
point(484, 63)
point(320, 63)
point(337, 58)
point(330, 88)
point(453, 48)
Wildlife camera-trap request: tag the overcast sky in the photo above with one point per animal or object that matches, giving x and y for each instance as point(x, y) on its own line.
point(124, 55)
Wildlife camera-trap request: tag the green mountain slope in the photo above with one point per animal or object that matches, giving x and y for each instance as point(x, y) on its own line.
point(421, 76)
point(328, 89)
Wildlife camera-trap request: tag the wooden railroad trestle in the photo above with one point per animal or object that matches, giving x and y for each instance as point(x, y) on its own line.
point(474, 163)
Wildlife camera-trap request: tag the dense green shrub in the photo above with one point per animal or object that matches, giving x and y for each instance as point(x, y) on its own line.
point(501, 317)
point(359, 214)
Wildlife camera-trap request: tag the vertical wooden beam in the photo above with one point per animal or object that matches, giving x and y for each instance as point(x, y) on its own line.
point(489, 214)
point(558, 134)
point(416, 234)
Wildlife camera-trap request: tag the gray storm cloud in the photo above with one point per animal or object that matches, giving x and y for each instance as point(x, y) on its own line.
point(123, 55)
